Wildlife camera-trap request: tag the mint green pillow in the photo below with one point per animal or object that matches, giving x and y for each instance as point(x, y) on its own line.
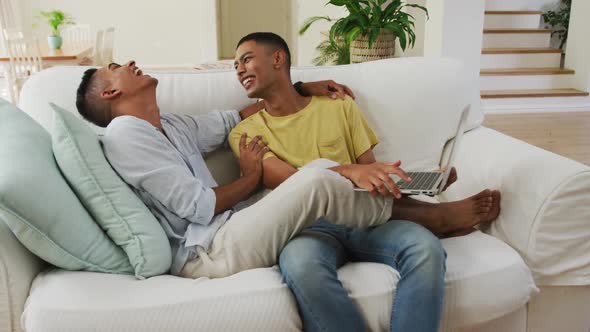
point(110, 201)
point(39, 207)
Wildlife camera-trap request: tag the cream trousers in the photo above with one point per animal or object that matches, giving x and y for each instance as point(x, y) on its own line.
point(254, 237)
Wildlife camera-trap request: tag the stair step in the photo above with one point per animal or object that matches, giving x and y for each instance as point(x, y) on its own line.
point(543, 57)
point(533, 93)
point(548, 31)
point(524, 81)
point(512, 5)
point(507, 19)
point(526, 71)
point(516, 40)
point(513, 12)
point(523, 50)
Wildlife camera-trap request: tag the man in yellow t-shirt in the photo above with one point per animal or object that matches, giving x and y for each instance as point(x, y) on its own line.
point(325, 128)
point(299, 130)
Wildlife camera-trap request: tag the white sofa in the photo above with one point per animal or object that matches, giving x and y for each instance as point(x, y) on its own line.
point(541, 238)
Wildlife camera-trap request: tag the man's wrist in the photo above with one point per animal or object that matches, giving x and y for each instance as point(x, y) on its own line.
point(253, 180)
point(343, 170)
point(298, 86)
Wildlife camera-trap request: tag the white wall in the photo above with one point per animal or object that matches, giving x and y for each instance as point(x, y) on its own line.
point(151, 32)
point(455, 30)
point(577, 53)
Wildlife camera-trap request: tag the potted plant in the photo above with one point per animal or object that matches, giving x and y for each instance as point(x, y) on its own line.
point(371, 27)
point(332, 53)
point(559, 21)
point(55, 19)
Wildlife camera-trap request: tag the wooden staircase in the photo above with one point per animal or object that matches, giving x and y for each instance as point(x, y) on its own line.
point(517, 60)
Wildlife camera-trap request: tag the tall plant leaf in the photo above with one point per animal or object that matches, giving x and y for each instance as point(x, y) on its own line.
point(374, 35)
point(352, 34)
point(311, 21)
point(420, 7)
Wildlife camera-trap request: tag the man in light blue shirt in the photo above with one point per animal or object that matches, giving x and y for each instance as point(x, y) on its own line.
point(184, 203)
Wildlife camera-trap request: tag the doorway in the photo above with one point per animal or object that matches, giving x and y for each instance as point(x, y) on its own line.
point(238, 18)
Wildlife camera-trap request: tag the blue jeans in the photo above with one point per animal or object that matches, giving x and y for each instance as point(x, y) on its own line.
point(309, 263)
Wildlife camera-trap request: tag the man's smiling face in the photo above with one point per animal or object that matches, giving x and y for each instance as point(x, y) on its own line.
point(254, 67)
point(127, 78)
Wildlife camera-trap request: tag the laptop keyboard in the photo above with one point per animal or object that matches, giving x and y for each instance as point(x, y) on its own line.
point(420, 180)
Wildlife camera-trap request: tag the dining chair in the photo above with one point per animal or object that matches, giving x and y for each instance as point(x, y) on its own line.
point(106, 55)
point(24, 61)
point(77, 36)
point(13, 34)
point(10, 34)
point(95, 58)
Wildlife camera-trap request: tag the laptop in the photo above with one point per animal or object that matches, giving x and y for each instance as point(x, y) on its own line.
point(432, 183)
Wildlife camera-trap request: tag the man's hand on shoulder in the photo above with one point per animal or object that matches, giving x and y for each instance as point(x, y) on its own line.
point(375, 177)
point(326, 88)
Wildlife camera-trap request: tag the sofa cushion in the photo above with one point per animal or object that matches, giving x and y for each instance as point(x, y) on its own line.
point(112, 204)
point(486, 279)
point(39, 206)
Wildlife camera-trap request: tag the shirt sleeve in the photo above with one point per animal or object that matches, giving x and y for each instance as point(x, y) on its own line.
point(249, 128)
point(210, 130)
point(363, 137)
point(147, 161)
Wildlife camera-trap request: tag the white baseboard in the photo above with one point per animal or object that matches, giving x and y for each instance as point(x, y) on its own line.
point(535, 105)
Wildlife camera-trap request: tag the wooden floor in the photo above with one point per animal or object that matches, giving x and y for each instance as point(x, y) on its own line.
point(567, 134)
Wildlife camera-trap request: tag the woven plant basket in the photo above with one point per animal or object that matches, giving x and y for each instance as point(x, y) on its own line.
point(383, 48)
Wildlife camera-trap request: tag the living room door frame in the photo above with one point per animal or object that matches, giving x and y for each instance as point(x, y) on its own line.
point(236, 18)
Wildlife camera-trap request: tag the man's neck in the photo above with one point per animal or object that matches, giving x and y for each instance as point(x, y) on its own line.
point(281, 99)
point(143, 107)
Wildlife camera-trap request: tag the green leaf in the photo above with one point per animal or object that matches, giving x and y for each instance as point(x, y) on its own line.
point(352, 35)
point(402, 41)
point(305, 26)
point(399, 33)
point(376, 14)
point(333, 34)
point(391, 8)
point(373, 36)
point(339, 3)
point(353, 7)
point(420, 7)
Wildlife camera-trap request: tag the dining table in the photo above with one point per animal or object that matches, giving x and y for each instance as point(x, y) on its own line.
point(67, 55)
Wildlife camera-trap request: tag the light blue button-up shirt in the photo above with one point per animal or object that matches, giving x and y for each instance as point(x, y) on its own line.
point(170, 175)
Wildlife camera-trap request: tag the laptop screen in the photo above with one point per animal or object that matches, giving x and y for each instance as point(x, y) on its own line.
point(456, 143)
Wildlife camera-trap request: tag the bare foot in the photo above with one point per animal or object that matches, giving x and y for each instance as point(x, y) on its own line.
point(489, 217)
point(495, 208)
point(452, 178)
point(464, 214)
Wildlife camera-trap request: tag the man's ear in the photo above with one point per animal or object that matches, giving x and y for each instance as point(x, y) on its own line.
point(110, 94)
point(279, 58)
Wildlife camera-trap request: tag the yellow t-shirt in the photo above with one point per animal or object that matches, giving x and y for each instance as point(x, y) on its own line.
point(325, 128)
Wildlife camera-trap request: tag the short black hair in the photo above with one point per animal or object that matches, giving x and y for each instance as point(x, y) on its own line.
point(271, 39)
point(89, 105)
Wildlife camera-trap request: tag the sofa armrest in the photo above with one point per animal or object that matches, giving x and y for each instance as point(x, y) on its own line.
point(18, 268)
point(545, 212)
